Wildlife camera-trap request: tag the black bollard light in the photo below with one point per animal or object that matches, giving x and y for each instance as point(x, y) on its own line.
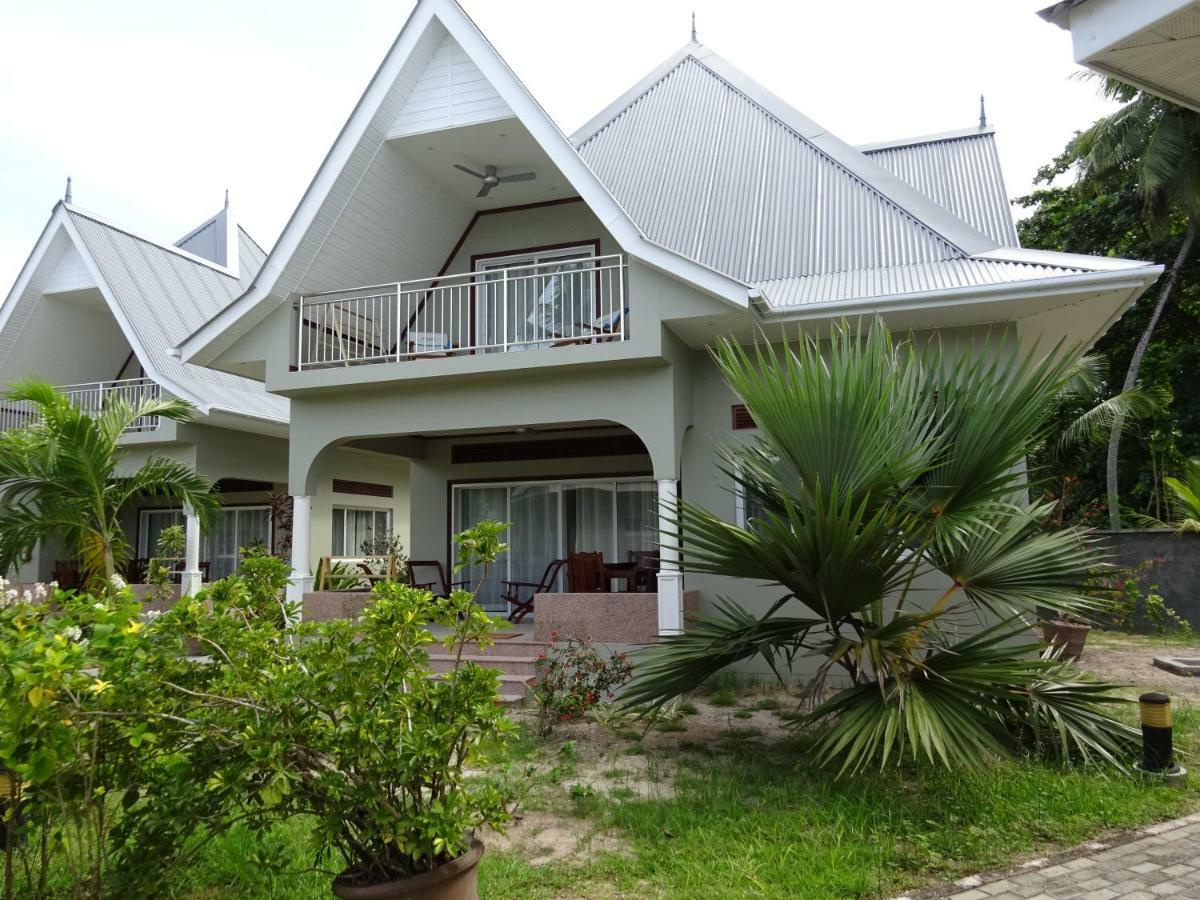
point(1158, 753)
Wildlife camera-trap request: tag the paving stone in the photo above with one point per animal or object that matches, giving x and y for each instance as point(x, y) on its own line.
point(1143, 868)
point(1167, 889)
point(972, 894)
point(1179, 869)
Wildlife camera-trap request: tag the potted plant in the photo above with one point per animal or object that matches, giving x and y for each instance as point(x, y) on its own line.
point(346, 722)
point(1068, 633)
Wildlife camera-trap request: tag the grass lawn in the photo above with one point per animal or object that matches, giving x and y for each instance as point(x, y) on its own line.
point(723, 804)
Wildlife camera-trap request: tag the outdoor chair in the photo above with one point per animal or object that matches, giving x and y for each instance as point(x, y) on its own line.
point(645, 563)
point(520, 594)
point(587, 574)
point(602, 328)
point(441, 586)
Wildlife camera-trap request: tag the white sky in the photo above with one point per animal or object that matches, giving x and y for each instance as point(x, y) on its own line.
point(156, 106)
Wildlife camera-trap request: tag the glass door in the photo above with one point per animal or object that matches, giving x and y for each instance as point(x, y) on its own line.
point(533, 536)
point(475, 504)
point(544, 297)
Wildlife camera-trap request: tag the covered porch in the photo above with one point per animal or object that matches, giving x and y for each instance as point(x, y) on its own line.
point(584, 510)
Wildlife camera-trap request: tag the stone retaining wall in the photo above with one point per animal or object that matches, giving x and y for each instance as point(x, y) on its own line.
point(1176, 568)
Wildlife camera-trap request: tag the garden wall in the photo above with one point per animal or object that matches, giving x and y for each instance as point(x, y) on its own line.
point(1176, 568)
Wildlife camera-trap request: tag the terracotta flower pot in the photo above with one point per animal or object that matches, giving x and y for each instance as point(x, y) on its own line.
point(1068, 635)
point(455, 880)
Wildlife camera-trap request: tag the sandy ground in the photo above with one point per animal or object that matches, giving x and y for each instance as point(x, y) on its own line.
point(1129, 659)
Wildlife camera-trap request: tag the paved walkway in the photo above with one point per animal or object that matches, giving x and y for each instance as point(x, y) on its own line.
point(1160, 861)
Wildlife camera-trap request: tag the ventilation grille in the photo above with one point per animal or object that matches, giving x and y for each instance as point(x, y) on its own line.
point(563, 448)
point(242, 486)
point(362, 488)
point(741, 417)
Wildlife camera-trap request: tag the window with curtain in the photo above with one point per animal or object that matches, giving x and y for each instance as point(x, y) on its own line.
point(236, 528)
point(352, 526)
point(548, 294)
point(551, 520)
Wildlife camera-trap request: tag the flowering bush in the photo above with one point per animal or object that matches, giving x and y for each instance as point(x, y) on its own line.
point(1131, 604)
point(80, 738)
point(573, 679)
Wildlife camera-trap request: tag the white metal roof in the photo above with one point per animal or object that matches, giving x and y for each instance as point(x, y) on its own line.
point(158, 294)
point(960, 171)
point(715, 167)
point(165, 294)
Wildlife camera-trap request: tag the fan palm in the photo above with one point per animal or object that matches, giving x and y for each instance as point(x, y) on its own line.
point(890, 507)
point(60, 477)
point(1160, 142)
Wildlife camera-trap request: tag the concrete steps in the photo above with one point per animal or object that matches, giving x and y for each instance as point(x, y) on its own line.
point(515, 659)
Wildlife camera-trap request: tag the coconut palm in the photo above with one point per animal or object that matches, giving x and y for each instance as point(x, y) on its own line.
point(889, 501)
point(61, 477)
point(1160, 142)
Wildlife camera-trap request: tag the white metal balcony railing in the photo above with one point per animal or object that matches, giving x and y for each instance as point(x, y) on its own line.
point(92, 397)
point(525, 307)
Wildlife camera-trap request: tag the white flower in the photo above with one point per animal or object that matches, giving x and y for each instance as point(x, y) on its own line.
point(27, 597)
point(39, 591)
point(11, 595)
point(117, 582)
point(54, 585)
point(150, 615)
point(73, 632)
point(99, 606)
point(3, 582)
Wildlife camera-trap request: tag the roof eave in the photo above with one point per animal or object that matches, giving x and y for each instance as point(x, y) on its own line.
point(1130, 278)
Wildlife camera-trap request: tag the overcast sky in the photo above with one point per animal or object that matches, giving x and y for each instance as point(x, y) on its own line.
point(156, 106)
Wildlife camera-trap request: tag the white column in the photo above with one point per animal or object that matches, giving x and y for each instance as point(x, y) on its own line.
point(670, 579)
point(191, 576)
point(302, 580)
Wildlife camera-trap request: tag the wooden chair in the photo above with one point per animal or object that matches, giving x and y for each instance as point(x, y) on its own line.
point(512, 591)
point(586, 573)
point(441, 586)
point(646, 564)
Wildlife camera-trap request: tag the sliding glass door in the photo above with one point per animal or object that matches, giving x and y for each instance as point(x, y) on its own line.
point(551, 520)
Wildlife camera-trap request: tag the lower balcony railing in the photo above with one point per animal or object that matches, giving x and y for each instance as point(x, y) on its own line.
point(559, 303)
point(92, 397)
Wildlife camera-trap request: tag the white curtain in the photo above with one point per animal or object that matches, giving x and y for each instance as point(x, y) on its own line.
point(637, 518)
point(533, 536)
point(477, 504)
point(588, 519)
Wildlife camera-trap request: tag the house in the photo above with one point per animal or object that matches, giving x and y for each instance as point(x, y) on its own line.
point(518, 319)
point(1152, 44)
point(96, 310)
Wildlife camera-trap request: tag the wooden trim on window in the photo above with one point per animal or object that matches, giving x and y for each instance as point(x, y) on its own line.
point(362, 488)
point(740, 417)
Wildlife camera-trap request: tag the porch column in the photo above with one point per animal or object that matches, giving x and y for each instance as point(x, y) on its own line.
point(670, 579)
point(191, 577)
point(301, 579)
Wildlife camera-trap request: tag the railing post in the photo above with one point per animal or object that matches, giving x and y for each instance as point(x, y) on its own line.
point(396, 327)
point(504, 311)
point(300, 334)
point(621, 295)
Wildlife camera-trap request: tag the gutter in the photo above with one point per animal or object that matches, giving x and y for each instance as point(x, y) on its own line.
point(1141, 277)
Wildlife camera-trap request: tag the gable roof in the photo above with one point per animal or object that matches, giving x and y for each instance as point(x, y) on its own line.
point(712, 164)
point(364, 134)
point(159, 293)
point(959, 170)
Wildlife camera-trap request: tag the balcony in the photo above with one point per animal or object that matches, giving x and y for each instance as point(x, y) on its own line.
point(523, 307)
point(92, 397)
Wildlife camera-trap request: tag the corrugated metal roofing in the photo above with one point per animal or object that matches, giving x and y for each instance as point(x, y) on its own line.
point(910, 279)
point(164, 295)
point(709, 173)
point(960, 172)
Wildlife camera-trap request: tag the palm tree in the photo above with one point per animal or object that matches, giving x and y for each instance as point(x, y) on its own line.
point(60, 477)
point(891, 508)
point(1160, 142)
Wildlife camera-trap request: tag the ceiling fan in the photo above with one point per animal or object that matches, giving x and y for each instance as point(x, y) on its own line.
point(490, 179)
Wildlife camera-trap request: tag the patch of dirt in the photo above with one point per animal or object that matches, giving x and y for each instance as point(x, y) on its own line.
point(545, 837)
point(1129, 659)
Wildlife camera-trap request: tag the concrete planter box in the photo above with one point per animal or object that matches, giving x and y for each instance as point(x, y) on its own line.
point(604, 618)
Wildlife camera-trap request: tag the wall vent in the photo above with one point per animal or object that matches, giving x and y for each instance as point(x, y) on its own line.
point(560, 448)
point(741, 417)
point(362, 488)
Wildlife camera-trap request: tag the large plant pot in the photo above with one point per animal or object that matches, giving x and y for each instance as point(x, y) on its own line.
point(456, 880)
point(1068, 635)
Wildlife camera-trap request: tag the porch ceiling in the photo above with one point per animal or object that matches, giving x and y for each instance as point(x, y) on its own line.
point(412, 445)
point(503, 143)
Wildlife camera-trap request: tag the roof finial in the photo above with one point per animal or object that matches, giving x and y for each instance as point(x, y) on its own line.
point(227, 198)
point(694, 41)
point(982, 113)
point(67, 195)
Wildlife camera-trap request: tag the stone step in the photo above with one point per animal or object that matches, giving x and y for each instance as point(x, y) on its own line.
point(509, 665)
point(514, 687)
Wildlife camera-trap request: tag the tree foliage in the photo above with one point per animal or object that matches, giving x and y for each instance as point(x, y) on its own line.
point(62, 477)
point(888, 486)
